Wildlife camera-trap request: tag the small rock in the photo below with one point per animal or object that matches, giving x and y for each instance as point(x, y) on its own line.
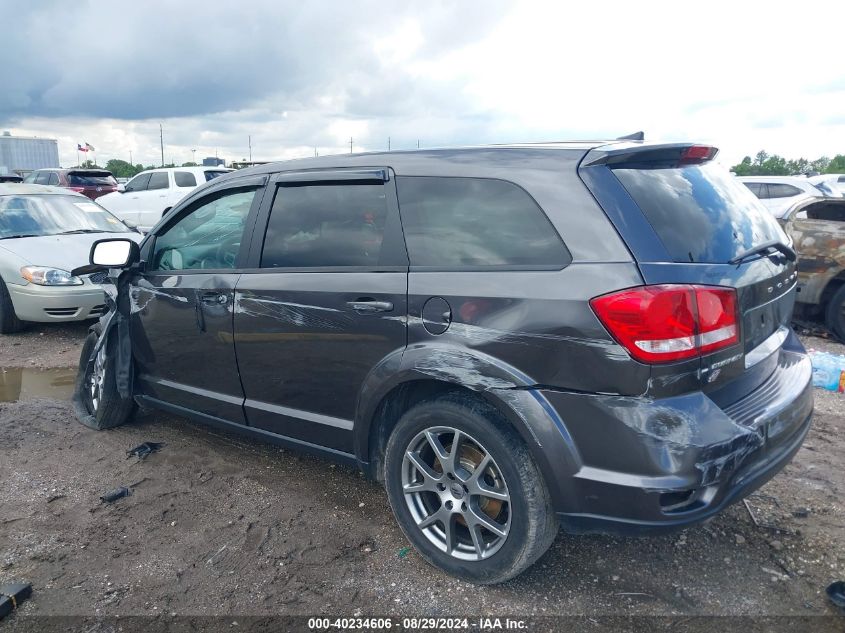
point(740, 539)
point(776, 545)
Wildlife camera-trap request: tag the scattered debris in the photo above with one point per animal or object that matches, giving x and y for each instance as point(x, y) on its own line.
point(836, 593)
point(801, 513)
point(12, 595)
point(740, 539)
point(142, 451)
point(403, 551)
point(55, 498)
point(113, 495)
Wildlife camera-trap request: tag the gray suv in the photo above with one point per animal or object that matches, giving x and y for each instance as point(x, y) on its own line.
point(587, 335)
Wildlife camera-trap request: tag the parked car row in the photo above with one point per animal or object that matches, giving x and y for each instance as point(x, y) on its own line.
point(780, 193)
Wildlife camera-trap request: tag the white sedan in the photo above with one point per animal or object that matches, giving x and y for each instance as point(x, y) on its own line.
point(46, 232)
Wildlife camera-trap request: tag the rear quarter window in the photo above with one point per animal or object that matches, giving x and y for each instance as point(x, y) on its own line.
point(701, 213)
point(460, 223)
point(781, 190)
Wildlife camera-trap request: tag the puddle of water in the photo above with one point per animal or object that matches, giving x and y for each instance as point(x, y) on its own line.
point(26, 383)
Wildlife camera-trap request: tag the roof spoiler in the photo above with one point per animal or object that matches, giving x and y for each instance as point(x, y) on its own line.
point(636, 136)
point(658, 155)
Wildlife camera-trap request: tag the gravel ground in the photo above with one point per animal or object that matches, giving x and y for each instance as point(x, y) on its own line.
point(218, 524)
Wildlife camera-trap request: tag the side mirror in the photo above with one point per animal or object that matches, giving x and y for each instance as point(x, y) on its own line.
point(121, 188)
point(114, 253)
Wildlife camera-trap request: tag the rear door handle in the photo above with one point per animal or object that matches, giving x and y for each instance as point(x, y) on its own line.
point(365, 305)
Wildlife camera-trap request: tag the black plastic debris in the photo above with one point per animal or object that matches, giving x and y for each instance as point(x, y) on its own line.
point(12, 595)
point(836, 593)
point(113, 495)
point(143, 450)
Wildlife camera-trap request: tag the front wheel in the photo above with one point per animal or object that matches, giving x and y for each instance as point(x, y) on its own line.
point(466, 491)
point(96, 399)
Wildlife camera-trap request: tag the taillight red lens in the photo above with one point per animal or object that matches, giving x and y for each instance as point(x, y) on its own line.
point(697, 154)
point(77, 189)
point(663, 323)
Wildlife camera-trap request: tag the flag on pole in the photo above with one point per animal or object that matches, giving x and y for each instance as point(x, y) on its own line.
point(80, 148)
point(90, 147)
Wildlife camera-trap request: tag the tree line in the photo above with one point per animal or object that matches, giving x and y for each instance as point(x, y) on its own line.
point(125, 169)
point(765, 164)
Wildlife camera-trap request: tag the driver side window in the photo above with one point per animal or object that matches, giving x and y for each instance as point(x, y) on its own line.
point(208, 237)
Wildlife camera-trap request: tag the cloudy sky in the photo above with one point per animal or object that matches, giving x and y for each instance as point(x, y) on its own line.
point(301, 75)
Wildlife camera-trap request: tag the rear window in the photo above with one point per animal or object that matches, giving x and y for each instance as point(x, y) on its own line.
point(211, 175)
point(90, 179)
point(460, 223)
point(701, 213)
point(184, 179)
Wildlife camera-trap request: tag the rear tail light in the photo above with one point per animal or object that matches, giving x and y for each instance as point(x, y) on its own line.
point(77, 189)
point(659, 324)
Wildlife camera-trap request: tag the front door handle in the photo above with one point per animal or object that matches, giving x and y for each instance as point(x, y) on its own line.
point(365, 305)
point(214, 298)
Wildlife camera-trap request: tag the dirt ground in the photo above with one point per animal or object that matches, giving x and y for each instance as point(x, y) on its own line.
point(218, 524)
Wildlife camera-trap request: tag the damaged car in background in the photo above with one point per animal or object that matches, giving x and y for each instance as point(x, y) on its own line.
point(512, 339)
point(817, 228)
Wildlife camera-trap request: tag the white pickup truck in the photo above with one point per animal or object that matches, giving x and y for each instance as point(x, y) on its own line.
point(149, 195)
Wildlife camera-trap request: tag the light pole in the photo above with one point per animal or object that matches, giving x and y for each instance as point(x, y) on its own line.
point(194, 156)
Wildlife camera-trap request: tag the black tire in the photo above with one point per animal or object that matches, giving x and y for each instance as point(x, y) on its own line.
point(527, 517)
point(9, 321)
point(835, 315)
point(107, 410)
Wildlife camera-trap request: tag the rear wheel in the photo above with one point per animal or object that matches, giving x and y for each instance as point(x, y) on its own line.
point(836, 313)
point(98, 404)
point(9, 321)
point(466, 492)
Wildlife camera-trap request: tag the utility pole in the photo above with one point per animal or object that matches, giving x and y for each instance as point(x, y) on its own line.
point(388, 143)
point(161, 140)
point(350, 144)
point(194, 156)
point(250, 147)
point(418, 143)
point(130, 158)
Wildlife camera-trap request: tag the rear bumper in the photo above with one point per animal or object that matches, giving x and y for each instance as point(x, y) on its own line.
point(654, 465)
point(57, 303)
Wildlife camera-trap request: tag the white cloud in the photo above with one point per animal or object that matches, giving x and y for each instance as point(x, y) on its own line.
point(743, 76)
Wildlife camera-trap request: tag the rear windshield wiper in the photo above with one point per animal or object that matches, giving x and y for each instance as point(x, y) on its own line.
point(764, 247)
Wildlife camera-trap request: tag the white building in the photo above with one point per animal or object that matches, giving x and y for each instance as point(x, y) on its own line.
point(22, 154)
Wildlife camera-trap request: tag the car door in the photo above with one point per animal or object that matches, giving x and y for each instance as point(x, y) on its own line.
point(125, 205)
point(182, 302)
point(323, 303)
point(153, 202)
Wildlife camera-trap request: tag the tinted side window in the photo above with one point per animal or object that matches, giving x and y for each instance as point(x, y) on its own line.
point(42, 178)
point(780, 190)
point(211, 175)
point(139, 182)
point(471, 222)
point(30, 177)
point(754, 187)
point(184, 179)
point(158, 180)
point(208, 237)
point(325, 225)
point(54, 179)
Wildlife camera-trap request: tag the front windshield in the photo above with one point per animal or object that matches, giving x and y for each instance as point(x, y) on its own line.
point(37, 215)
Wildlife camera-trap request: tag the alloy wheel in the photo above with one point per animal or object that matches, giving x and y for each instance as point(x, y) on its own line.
point(456, 493)
point(97, 378)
